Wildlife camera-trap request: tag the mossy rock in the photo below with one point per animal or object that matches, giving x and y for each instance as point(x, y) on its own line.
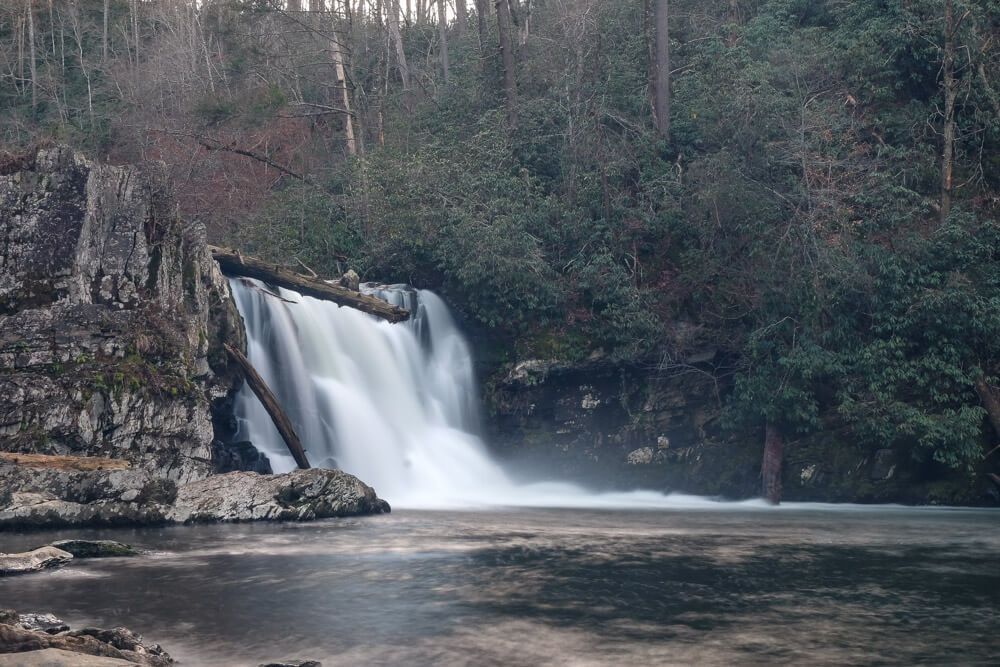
point(95, 548)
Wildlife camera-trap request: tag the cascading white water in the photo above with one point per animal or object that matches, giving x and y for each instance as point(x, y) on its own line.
point(394, 404)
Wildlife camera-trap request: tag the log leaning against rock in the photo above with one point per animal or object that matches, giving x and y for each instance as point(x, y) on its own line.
point(232, 262)
point(271, 404)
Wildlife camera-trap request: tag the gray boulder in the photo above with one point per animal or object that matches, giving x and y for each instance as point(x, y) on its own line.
point(32, 561)
point(95, 548)
point(47, 498)
point(47, 623)
point(296, 496)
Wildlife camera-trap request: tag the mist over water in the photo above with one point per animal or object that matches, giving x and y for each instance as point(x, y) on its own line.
point(394, 404)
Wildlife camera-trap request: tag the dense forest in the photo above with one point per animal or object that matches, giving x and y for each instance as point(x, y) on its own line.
point(808, 189)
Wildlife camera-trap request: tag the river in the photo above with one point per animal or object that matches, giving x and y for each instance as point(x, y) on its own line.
point(710, 586)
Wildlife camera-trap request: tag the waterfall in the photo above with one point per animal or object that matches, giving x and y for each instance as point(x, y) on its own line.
point(394, 404)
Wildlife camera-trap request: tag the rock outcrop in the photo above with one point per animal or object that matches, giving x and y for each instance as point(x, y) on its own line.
point(112, 315)
point(625, 427)
point(24, 644)
point(116, 388)
point(33, 561)
point(45, 498)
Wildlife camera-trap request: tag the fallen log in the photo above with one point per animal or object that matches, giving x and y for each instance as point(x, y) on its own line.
point(233, 263)
point(270, 403)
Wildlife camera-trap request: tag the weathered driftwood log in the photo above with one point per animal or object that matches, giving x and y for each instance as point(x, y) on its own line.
point(270, 403)
point(234, 263)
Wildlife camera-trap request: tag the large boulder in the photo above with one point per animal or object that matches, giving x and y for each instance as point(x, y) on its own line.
point(95, 548)
point(32, 497)
point(296, 496)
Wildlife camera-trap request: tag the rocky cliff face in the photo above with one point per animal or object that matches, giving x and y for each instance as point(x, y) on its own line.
point(628, 427)
point(112, 316)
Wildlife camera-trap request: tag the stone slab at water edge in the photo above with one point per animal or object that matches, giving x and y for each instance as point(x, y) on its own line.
point(52, 499)
point(33, 561)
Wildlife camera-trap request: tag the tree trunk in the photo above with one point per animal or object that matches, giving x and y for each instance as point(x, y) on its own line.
point(397, 40)
point(134, 10)
point(661, 89)
point(443, 31)
point(271, 405)
point(461, 17)
point(31, 56)
point(338, 65)
point(991, 403)
point(233, 263)
point(507, 58)
point(104, 33)
point(482, 14)
point(770, 468)
point(950, 97)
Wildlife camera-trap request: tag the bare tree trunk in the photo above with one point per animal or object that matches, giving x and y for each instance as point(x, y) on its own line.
point(443, 31)
point(31, 57)
point(338, 66)
point(397, 39)
point(482, 14)
point(770, 468)
point(661, 89)
point(461, 17)
point(104, 33)
point(507, 58)
point(135, 28)
point(950, 97)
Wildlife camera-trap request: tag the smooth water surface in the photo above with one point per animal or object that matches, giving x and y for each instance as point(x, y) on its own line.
point(550, 587)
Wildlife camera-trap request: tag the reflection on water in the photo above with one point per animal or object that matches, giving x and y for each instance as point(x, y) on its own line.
point(550, 587)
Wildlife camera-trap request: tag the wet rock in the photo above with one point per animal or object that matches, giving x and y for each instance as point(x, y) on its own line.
point(33, 561)
point(47, 623)
point(641, 456)
point(296, 496)
point(95, 548)
point(235, 456)
point(129, 643)
point(351, 280)
point(20, 645)
point(54, 498)
point(48, 498)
